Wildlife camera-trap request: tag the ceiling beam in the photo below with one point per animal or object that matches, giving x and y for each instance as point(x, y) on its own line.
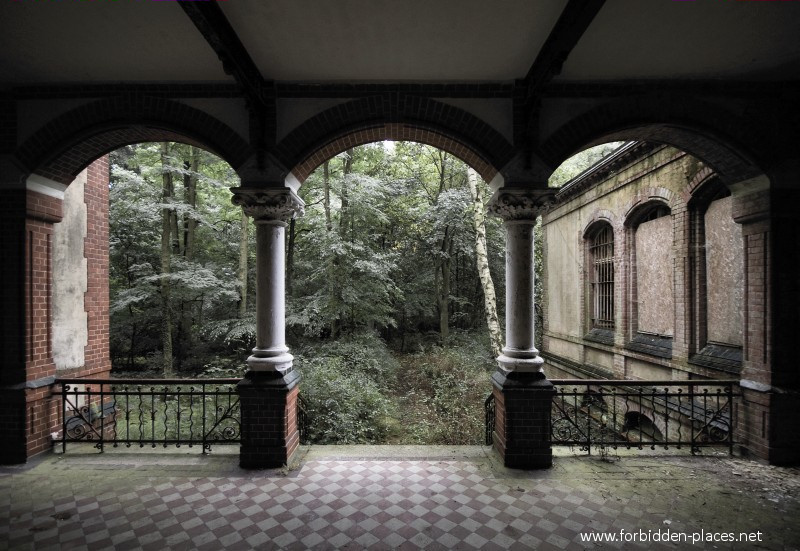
point(568, 30)
point(236, 61)
point(218, 32)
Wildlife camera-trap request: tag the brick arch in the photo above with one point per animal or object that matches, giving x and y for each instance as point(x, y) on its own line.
point(67, 144)
point(648, 197)
point(398, 118)
point(702, 129)
point(600, 216)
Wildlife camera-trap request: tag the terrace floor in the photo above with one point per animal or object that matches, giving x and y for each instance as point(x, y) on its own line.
point(390, 497)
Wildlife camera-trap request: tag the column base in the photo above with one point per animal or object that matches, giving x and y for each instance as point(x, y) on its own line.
point(523, 403)
point(275, 359)
point(766, 426)
point(270, 434)
point(12, 426)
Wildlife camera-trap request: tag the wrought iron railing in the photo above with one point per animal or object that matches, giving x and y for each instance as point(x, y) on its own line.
point(488, 414)
point(150, 412)
point(606, 414)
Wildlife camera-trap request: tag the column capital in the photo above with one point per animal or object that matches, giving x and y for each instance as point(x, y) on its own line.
point(512, 203)
point(268, 204)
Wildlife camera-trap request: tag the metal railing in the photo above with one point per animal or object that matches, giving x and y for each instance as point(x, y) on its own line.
point(488, 415)
point(608, 414)
point(150, 412)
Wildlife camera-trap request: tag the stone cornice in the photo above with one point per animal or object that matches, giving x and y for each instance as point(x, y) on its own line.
point(265, 205)
point(521, 203)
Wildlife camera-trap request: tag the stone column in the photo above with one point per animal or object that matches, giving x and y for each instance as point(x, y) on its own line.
point(268, 393)
point(523, 395)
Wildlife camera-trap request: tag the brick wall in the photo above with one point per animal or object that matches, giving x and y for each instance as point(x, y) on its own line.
point(97, 359)
point(29, 412)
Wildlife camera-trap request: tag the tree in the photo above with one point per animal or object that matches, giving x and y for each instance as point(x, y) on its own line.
point(482, 262)
point(170, 248)
point(167, 218)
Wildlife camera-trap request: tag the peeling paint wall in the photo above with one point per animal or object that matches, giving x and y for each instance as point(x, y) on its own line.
point(654, 281)
point(70, 329)
point(724, 274)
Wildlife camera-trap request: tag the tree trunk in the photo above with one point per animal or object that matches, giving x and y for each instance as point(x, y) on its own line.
point(166, 233)
point(343, 212)
point(444, 288)
point(482, 262)
point(190, 198)
point(290, 256)
point(244, 254)
point(187, 241)
point(326, 182)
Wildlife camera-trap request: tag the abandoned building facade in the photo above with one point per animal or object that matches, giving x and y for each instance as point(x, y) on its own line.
point(644, 275)
point(710, 238)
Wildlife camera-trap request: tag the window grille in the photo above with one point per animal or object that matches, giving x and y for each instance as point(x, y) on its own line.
point(601, 252)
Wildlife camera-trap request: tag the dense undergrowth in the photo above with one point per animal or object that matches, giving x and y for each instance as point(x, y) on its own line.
point(359, 391)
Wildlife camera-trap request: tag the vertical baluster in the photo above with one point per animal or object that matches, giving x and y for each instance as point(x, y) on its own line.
point(655, 416)
point(588, 419)
point(614, 423)
point(178, 417)
point(166, 416)
point(641, 439)
point(680, 418)
point(141, 416)
point(729, 391)
point(127, 418)
point(153, 416)
point(191, 416)
point(204, 397)
point(64, 390)
point(692, 396)
point(666, 417)
point(113, 409)
point(706, 420)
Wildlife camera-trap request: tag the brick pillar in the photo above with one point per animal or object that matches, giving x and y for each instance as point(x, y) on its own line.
point(767, 422)
point(31, 205)
point(523, 395)
point(269, 418)
point(268, 393)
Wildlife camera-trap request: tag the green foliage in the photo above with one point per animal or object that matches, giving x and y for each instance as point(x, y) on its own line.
point(441, 393)
point(203, 287)
point(579, 162)
point(344, 387)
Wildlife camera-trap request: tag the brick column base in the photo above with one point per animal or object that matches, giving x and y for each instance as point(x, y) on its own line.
point(522, 419)
point(767, 426)
point(12, 427)
point(269, 419)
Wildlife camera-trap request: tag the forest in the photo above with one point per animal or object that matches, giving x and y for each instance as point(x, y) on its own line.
point(394, 280)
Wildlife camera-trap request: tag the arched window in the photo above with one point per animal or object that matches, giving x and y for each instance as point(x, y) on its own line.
point(601, 282)
point(650, 288)
point(717, 284)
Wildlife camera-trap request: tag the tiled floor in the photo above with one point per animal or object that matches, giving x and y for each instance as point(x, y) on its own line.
point(368, 498)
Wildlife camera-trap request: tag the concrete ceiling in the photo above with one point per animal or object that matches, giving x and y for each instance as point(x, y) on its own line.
point(78, 41)
point(631, 39)
point(387, 40)
point(392, 41)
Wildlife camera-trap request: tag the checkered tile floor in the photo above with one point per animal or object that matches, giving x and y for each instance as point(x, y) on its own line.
point(163, 502)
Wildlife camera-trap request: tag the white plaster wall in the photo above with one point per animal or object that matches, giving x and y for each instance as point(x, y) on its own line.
point(724, 274)
point(70, 327)
point(563, 258)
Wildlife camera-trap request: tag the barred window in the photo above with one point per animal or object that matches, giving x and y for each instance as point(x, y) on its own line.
point(601, 253)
